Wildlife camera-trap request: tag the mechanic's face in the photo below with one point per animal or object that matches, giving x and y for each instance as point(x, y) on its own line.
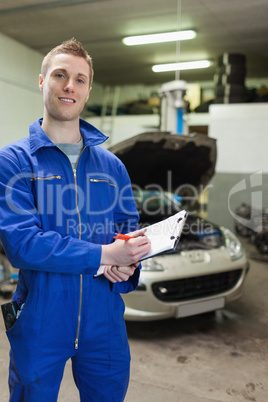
point(65, 87)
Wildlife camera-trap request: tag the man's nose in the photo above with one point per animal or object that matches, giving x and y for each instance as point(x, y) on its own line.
point(69, 85)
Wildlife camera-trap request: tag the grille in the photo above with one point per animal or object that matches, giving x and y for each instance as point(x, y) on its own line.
point(196, 287)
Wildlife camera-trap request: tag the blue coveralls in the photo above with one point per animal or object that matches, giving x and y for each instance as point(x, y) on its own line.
point(53, 220)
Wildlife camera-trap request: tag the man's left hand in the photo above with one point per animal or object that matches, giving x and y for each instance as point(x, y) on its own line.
point(119, 274)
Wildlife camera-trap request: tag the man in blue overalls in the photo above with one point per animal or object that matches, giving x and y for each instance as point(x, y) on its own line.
point(62, 199)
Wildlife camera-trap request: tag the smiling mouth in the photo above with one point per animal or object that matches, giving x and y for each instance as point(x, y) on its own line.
point(67, 100)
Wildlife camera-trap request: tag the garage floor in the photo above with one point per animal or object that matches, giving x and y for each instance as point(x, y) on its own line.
point(221, 357)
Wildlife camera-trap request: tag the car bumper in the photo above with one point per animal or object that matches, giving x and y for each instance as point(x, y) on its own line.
point(144, 305)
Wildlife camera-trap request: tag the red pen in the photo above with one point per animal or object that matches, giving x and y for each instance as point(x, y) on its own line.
point(123, 236)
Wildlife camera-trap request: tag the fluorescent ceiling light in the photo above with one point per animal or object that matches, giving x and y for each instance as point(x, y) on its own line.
point(159, 38)
point(188, 65)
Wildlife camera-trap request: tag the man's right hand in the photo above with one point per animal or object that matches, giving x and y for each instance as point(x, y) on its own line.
point(126, 252)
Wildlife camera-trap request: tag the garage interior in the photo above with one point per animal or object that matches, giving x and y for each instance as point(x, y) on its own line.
point(219, 356)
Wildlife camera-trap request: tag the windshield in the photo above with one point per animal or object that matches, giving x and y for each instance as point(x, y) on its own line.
point(155, 203)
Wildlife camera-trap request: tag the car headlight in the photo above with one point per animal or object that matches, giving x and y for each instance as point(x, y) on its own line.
point(233, 244)
point(151, 265)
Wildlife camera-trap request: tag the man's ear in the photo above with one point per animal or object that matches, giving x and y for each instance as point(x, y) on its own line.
point(88, 93)
point(41, 80)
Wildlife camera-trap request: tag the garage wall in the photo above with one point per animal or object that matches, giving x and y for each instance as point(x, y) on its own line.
point(20, 98)
point(125, 127)
point(241, 131)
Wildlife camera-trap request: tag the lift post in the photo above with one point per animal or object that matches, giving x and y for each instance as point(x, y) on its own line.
point(172, 106)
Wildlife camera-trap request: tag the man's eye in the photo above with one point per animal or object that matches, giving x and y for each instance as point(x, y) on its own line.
point(80, 81)
point(59, 75)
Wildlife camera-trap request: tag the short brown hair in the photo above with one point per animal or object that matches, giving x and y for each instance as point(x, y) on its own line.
point(70, 46)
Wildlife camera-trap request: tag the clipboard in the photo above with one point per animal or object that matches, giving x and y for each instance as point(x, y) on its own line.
point(163, 235)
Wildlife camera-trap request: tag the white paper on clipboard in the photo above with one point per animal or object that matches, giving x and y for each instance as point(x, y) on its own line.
point(165, 235)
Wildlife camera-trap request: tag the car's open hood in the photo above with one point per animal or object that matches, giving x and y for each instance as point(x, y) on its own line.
point(170, 161)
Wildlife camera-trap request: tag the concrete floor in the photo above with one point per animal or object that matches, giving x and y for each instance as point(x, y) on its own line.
point(221, 357)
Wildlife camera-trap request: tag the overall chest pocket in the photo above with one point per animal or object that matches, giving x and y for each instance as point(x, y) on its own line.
point(54, 198)
point(103, 194)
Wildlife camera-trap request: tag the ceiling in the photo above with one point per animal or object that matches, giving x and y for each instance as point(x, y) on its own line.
point(234, 26)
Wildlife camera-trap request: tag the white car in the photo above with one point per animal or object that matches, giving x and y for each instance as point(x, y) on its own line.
point(209, 267)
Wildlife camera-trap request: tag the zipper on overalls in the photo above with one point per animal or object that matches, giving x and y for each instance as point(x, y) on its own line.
point(46, 178)
point(81, 276)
